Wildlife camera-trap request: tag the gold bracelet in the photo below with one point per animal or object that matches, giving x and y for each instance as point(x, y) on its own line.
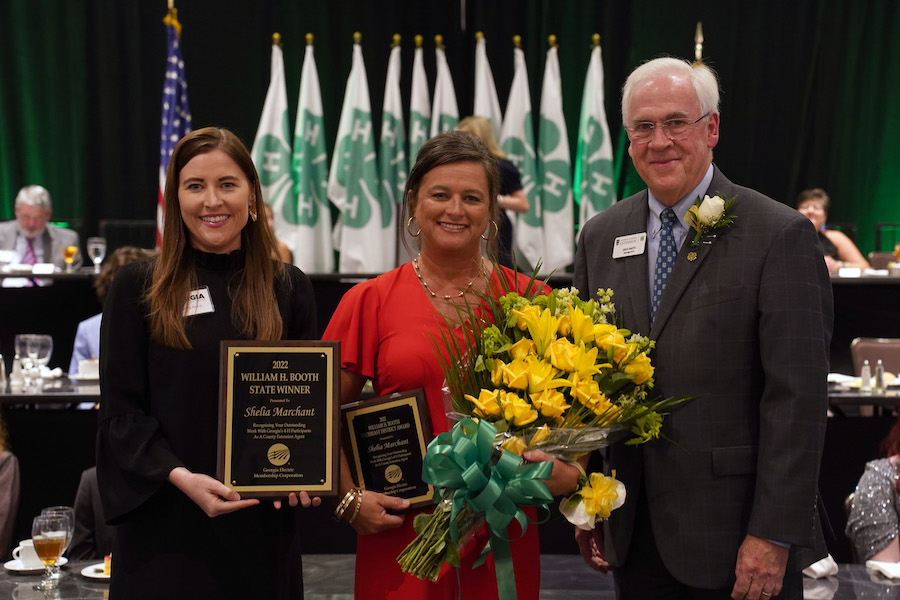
point(345, 502)
point(359, 498)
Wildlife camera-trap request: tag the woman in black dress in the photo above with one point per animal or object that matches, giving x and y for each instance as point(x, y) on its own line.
point(180, 533)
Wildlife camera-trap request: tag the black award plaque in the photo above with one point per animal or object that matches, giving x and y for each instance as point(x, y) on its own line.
point(279, 417)
point(386, 439)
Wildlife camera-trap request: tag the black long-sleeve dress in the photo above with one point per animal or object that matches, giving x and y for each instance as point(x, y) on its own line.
point(159, 410)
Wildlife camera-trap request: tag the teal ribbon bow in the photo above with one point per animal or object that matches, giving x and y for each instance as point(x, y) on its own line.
point(459, 462)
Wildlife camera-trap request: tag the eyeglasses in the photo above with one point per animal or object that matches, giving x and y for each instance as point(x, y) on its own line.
point(674, 129)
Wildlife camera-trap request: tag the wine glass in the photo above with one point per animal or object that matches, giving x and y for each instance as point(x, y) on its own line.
point(21, 350)
point(69, 253)
point(66, 512)
point(39, 349)
point(96, 247)
point(50, 533)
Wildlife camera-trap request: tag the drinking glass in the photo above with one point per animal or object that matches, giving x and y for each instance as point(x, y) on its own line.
point(50, 533)
point(66, 512)
point(21, 350)
point(69, 253)
point(96, 247)
point(39, 349)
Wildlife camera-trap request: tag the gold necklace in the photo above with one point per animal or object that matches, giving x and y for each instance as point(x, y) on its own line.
point(447, 296)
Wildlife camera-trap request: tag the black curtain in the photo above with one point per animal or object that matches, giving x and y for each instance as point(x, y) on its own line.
point(810, 93)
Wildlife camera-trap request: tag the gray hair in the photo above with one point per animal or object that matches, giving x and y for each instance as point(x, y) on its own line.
point(703, 78)
point(36, 196)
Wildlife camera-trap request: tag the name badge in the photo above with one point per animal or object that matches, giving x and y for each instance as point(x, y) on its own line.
point(630, 245)
point(199, 302)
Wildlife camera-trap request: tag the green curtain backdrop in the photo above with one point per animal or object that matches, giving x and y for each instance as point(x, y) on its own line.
point(810, 88)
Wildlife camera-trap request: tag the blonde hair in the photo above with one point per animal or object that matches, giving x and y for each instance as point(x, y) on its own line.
point(481, 128)
point(254, 307)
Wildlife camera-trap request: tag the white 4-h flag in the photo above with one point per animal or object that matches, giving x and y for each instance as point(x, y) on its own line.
point(271, 149)
point(517, 141)
point(594, 186)
point(419, 105)
point(555, 171)
point(365, 240)
point(486, 103)
point(310, 213)
point(392, 157)
point(444, 111)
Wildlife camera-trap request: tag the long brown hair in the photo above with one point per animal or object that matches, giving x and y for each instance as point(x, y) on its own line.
point(254, 307)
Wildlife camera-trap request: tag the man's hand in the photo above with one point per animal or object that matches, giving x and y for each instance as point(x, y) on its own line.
point(593, 548)
point(760, 569)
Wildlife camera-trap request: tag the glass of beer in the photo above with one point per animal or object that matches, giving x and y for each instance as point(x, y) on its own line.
point(69, 253)
point(50, 533)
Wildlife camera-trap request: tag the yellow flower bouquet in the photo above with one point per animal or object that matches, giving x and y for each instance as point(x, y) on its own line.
point(548, 372)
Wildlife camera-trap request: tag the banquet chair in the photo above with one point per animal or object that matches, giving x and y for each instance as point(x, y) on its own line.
point(873, 349)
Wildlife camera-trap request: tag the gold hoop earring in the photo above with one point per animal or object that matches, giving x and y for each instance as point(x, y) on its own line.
point(496, 232)
point(409, 227)
point(252, 209)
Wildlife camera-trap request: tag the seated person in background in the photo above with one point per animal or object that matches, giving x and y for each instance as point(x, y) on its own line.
point(872, 526)
point(284, 253)
point(87, 336)
point(840, 251)
point(9, 493)
point(512, 196)
point(29, 235)
point(92, 538)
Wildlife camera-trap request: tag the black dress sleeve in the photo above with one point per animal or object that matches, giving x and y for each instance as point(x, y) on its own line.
point(133, 456)
point(298, 307)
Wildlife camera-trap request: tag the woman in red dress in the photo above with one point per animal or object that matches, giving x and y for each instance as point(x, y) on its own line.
point(386, 326)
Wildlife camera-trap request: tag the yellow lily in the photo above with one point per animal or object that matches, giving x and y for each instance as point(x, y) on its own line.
point(564, 327)
point(582, 326)
point(584, 362)
point(541, 376)
point(522, 316)
point(497, 372)
point(541, 326)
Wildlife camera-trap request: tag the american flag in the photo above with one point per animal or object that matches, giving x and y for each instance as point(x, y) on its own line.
point(176, 113)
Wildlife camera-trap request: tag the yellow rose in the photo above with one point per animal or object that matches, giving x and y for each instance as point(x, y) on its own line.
point(640, 367)
point(515, 374)
point(606, 336)
point(624, 352)
point(564, 327)
point(522, 348)
point(542, 433)
point(514, 445)
point(522, 316)
point(516, 410)
point(486, 404)
point(562, 354)
point(551, 403)
point(497, 372)
point(584, 389)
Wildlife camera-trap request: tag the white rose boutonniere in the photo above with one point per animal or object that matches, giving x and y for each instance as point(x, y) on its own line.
point(707, 215)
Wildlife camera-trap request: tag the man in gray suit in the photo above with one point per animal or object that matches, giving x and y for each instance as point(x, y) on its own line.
point(743, 318)
point(30, 237)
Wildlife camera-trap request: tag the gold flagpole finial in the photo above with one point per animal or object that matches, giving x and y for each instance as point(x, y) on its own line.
point(595, 40)
point(276, 39)
point(551, 40)
point(439, 41)
point(395, 41)
point(309, 39)
point(418, 41)
point(357, 37)
point(698, 44)
point(479, 35)
point(517, 41)
point(171, 18)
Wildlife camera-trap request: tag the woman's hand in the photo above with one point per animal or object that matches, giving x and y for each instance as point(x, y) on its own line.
point(211, 495)
point(302, 499)
point(375, 513)
point(564, 478)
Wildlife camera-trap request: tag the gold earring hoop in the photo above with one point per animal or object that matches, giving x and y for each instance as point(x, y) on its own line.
point(252, 209)
point(409, 227)
point(496, 232)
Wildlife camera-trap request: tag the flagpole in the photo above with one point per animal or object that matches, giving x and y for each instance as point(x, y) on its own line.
point(698, 44)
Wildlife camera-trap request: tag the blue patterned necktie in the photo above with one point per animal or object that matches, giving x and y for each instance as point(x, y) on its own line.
point(665, 259)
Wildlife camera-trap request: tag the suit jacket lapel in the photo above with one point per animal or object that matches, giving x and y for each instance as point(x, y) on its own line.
point(685, 269)
point(637, 273)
